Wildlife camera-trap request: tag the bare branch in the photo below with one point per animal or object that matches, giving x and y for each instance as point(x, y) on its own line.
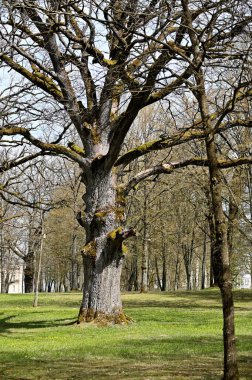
point(168, 168)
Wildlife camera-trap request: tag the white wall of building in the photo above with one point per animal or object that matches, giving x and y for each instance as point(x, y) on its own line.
point(16, 280)
point(17, 285)
point(245, 281)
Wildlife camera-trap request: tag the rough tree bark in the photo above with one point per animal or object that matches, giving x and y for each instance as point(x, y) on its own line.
point(39, 244)
point(214, 273)
point(133, 278)
point(29, 271)
point(144, 264)
point(162, 281)
point(235, 192)
point(222, 264)
point(145, 248)
point(104, 251)
point(2, 256)
point(74, 262)
point(203, 264)
point(188, 256)
point(177, 272)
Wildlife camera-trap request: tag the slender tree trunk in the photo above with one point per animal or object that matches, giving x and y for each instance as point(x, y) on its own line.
point(133, 275)
point(40, 251)
point(237, 186)
point(7, 282)
point(233, 211)
point(144, 267)
point(188, 257)
point(164, 264)
point(213, 272)
point(164, 274)
point(66, 283)
point(176, 276)
point(196, 274)
point(145, 252)
point(157, 273)
point(164, 251)
point(250, 266)
point(203, 266)
point(4, 269)
point(2, 259)
point(74, 262)
point(49, 286)
point(188, 278)
point(249, 185)
point(136, 282)
point(29, 271)
point(162, 283)
point(3, 290)
point(222, 264)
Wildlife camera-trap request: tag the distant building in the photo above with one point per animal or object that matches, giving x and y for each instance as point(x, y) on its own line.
point(14, 279)
point(244, 281)
point(16, 284)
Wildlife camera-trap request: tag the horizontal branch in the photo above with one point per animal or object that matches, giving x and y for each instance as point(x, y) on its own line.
point(45, 147)
point(14, 163)
point(190, 134)
point(170, 167)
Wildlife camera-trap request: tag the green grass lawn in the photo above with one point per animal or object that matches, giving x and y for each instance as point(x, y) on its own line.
point(173, 336)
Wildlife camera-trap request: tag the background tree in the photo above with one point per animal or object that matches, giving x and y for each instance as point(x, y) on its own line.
point(28, 190)
point(64, 239)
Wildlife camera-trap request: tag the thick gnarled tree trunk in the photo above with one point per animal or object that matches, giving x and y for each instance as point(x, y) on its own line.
point(104, 251)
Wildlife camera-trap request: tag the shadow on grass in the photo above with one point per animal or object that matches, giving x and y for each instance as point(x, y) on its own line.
point(148, 360)
point(6, 325)
point(111, 369)
point(169, 303)
point(160, 357)
point(145, 359)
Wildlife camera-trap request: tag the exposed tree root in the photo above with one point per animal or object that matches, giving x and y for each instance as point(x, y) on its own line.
point(101, 318)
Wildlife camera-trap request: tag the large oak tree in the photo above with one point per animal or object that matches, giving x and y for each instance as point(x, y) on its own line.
point(92, 66)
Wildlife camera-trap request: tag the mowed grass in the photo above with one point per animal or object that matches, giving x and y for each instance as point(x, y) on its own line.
point(173, 336)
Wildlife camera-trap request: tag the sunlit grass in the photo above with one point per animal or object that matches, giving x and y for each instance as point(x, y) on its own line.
point(174, 335)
